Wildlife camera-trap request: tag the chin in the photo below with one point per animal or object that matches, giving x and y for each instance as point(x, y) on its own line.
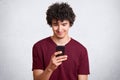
point(60, 37)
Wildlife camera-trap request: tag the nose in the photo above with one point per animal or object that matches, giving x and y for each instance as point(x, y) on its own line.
point(59, 28)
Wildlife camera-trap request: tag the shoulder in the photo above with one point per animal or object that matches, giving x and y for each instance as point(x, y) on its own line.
point(78, 45)
point(42, 42)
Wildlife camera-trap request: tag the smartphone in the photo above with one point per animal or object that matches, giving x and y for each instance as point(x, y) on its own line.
point(60, 48)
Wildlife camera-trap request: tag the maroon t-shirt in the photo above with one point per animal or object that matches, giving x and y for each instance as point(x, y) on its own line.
point(77, 62)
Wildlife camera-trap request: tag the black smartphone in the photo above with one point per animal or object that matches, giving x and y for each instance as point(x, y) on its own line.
point(60, 48)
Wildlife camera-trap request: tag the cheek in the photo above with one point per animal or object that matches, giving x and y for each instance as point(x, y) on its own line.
point(53, 28)
point(66, 29)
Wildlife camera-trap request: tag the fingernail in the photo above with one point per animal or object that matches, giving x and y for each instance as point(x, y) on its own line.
point(60, 51)
point(66, 56)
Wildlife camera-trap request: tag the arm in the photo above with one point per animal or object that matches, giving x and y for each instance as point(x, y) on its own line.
point(82, 77)
point(84, 66)
point(40, 74)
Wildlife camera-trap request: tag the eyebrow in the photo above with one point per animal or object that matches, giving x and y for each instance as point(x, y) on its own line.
point(56, 22)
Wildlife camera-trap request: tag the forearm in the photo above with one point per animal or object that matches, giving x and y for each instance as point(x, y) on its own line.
point(82, 77)
point(54, 63)
point(44, 75)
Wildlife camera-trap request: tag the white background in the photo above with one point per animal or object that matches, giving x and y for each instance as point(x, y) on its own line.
point(23, 22)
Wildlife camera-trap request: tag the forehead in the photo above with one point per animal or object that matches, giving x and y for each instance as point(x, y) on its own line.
point(59, 21)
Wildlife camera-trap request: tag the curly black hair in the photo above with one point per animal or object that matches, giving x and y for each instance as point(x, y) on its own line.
point(60, 11)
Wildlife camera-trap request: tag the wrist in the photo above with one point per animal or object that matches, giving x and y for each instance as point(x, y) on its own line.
point(49, 69)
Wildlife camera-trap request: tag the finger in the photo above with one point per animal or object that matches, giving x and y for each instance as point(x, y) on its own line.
point(61, 60)
point(58, 52)
point(59, 63)
point(61, 57)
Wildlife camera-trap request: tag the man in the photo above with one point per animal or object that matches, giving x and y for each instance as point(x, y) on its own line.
point(74, 64)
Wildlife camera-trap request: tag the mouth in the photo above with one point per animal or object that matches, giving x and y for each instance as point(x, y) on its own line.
point(59, 33)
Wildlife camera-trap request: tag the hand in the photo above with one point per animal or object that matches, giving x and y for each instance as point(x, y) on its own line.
point(56, 61)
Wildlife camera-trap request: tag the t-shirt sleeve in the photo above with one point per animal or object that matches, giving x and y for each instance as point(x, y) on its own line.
point(37, 59)
point(84, 63)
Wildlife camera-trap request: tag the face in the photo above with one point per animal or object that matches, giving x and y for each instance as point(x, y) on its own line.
point(60, 28)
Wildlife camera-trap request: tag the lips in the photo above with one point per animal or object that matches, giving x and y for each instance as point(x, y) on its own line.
point(59, 33)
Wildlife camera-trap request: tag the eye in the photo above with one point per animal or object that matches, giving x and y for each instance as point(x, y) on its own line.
point(55, 24)
point(64, 24)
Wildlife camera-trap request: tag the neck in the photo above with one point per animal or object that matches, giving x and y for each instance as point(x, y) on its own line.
point(61, 41)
